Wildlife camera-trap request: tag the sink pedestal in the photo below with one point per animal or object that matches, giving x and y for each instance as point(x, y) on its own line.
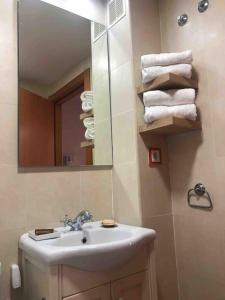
point(135, 280)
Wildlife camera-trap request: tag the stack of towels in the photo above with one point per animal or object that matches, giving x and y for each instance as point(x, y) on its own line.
point(87, 101)
point(90, 130)
point(87, 105)
point(177, 103)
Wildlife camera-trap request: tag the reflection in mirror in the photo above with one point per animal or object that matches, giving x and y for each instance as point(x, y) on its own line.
point(64, 99)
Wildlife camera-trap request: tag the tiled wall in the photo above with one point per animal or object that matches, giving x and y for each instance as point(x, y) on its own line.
point(34, 199)
point(101, 92)
point(155, 197)
point(200, 156)
point(126, 195)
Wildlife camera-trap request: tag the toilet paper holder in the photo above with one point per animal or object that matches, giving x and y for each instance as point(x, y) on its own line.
point(199, 190)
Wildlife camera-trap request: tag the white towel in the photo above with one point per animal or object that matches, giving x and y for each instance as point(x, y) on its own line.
point(86, 95)
point(149, 74)
point(88, 122)
point(153, 113)
point(87, 105)
point(166, 59)
point(90, 134)
point(169, 97)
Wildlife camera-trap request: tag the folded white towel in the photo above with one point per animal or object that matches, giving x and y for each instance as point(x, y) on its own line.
point(149, 74)
point(87, 105)
point(153, 113)
point(86, 95)
point(166, 59)
point(88, 122)
point(169, 97)
point(90, 134)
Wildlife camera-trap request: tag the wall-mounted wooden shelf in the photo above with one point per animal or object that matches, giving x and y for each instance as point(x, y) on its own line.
point(87, 144)
point(166, 82)
point(170, 125)
point(86, 115)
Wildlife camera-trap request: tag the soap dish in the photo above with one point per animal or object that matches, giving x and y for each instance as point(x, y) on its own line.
point(109, 223)
point(48, 236)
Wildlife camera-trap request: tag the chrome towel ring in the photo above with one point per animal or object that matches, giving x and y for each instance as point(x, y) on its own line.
point(200, 191)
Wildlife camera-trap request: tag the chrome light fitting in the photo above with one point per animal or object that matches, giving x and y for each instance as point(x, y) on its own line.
point(182, 19)
point(203, 5)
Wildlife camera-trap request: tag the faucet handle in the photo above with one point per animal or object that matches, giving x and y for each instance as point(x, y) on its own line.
point(65, 220)
point(87, 216)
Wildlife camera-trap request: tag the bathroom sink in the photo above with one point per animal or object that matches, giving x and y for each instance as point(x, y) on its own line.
point(93, 249)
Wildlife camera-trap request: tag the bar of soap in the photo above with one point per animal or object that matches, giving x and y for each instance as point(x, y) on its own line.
point(43, 231)
point(109, 223)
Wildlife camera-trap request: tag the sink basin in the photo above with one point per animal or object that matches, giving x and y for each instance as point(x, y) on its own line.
point(93, 249)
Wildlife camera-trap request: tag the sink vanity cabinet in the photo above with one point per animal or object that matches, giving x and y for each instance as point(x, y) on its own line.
point(134, 280)
point(113, 264)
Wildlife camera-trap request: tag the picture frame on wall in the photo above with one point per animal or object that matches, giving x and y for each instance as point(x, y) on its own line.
point(155, 157)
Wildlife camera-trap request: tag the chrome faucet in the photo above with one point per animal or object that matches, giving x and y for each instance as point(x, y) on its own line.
point(76, 224)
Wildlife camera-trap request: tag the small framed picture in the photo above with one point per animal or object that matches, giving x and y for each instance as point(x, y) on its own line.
point(155, 157)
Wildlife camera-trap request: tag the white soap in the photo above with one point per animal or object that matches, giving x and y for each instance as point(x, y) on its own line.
point(16, 277)
point(42, 237)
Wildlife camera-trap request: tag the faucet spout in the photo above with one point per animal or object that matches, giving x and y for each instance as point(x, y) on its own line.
point(76, 224)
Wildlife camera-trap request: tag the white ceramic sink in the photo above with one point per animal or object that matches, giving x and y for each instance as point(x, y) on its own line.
point(105, 248)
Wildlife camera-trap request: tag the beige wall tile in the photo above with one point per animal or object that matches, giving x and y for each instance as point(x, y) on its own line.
point(101, 99)
point(200, 256)
point(9, 254)
point(103, 143)
point(50, 196)
point(145, 31)
point(147, 38)
point(120, 41)
point(124, 137)
point(216, 77)
point(216, 25)
point(154, 181)
point(123, 92)
point(13, 212)
point(99, 57)
point(175, 38)
point(126, 194)
point(218, 194)
point(8, 50)
point(96, 193)
point(165, 255)
point(8, 134)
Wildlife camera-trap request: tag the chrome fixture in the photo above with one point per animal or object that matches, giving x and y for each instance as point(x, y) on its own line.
point(182, 19)
point(76, 224)
point(203, 5)
point(199, 190)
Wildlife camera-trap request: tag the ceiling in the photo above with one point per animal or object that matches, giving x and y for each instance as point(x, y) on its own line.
point(52, 41)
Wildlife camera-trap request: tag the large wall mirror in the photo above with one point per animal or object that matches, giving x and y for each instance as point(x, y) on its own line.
point(64, 95)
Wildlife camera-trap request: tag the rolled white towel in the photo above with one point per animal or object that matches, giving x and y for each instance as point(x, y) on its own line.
point(88, 122)
point(90, 134)
point(169, 97)
point(149, 74)
point(166, 59)
point(86, 95)
point(187, 111)
point(87, 105)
